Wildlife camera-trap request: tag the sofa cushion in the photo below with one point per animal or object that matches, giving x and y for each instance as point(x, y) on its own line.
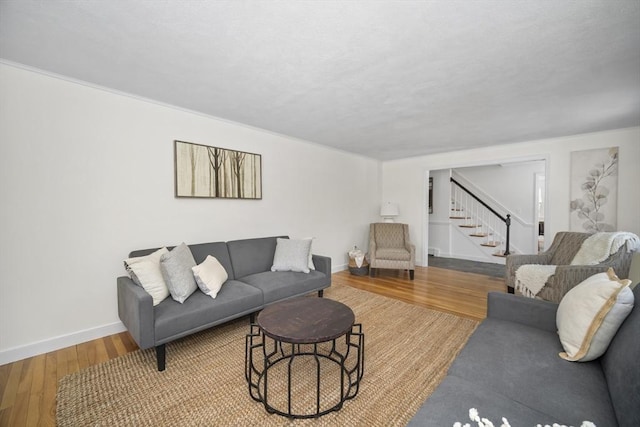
point(250, 256)
point(176, 270)
point(277, 285)
point(620, 366)
point(218, 250)
point(590, 314)
point(198, 312)
point(395, 254)
point(453, 398)
point(522, 363)
point(292, 255)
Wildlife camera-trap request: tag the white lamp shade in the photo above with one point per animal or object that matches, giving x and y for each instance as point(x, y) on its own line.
point(388, 211)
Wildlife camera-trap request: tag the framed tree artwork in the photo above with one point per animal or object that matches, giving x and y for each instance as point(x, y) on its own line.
point(218, 173)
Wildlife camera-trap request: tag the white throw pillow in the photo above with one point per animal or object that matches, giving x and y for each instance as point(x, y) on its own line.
point(210, 275)
point(590, 314)
point(145, 271)
point(292, 255)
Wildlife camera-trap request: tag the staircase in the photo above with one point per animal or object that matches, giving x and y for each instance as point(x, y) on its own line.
point(479, 222)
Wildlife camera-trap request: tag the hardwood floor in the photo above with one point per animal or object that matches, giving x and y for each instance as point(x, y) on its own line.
point(28, 387)
point(462, 294)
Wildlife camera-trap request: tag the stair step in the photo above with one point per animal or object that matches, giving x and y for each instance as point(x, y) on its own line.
point(501, 254)
point(479, 235)
point(468, 226)
point(459, 217)
point(490, 244)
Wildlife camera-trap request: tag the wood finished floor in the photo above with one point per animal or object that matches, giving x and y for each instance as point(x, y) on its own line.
point(28, 387)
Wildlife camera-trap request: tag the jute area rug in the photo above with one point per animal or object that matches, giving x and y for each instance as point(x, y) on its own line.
point(407, 352)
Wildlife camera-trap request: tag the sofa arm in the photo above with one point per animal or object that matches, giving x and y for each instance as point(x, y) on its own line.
point(527, 311)
point(323, 265)
point(514, 261)
point(135, 309)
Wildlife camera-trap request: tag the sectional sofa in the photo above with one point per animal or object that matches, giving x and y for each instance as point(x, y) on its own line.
point(251, 285)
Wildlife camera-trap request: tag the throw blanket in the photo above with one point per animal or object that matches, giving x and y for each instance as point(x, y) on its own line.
point(601, 246)
point(531, 278)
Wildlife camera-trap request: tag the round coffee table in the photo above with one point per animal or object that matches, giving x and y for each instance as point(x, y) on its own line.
point(315, 335)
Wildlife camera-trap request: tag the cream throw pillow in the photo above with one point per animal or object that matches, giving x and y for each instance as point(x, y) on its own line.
point(210, 276)
point(145, 271)
point(590, 314)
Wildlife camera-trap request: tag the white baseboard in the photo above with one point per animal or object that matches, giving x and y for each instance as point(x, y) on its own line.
point(56, 343)
point(336, 268)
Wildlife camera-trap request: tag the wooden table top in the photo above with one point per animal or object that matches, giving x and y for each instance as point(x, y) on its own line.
point(306, 320)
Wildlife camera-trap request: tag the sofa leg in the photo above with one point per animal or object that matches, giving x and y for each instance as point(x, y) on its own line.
point(510, 290)
point(161, 354)
point(372, 271)
point(411, 274)
point(252, 318)
point(321, 293)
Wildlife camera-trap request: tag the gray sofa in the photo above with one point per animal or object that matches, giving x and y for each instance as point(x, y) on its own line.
point(510, 368)
point(250, 287)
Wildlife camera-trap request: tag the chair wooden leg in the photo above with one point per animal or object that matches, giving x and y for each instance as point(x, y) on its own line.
point(411, 274)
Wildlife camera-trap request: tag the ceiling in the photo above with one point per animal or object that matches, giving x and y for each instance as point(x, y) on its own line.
point(385, 79)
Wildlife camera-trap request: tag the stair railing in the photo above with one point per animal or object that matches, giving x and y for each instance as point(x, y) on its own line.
point(505, 219)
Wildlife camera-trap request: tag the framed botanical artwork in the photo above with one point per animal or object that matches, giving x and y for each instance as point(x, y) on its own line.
point(594, 190)
point(213, 172)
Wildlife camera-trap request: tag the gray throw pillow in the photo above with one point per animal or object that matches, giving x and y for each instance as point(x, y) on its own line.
point(176, 271)
point(292, 255)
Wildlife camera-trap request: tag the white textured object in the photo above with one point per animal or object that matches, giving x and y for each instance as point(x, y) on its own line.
point(210, 275)
point(590, 314)
point(600, 246)
point(484, 422)
point(145, 271)
point(385, 79)
point(531, 278)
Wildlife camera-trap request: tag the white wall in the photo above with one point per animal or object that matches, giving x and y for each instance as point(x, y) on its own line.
point(511, 185)
point(404, 180)
point(87, 175)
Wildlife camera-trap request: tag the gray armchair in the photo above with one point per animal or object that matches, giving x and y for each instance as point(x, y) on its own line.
point(390, 247)
point(563, 249)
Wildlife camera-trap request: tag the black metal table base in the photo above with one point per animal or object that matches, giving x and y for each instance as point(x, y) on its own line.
point(262, 354)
